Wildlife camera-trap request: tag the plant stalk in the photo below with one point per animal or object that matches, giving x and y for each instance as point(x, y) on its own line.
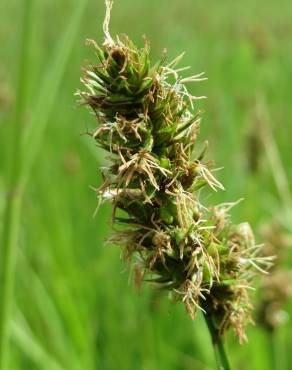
point(11, 217)
point(272, 351)
point(220, 354)
point(277, 355)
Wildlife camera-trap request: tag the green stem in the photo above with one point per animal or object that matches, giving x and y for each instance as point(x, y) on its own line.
point(220, 354)
point(271, 349)
point(14, 196)
point(275, 348)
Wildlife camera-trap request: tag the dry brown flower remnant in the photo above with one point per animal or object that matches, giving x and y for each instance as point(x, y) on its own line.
point(276, 288)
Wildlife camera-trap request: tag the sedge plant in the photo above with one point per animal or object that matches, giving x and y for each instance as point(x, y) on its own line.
point(275, 289)
point(147, 122)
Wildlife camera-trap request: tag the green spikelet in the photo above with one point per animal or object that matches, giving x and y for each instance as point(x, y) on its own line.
point(146, 120)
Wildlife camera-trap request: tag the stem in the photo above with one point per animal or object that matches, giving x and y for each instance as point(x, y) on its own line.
point(277, 355)
point(14, 196)
point(272, 352)
point(220, 354)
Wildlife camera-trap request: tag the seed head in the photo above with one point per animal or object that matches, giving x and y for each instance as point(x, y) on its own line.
point(146, 120)
point(275, 289)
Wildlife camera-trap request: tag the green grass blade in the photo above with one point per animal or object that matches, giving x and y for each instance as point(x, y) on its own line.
point(274, 158)
point(22, 160)
point(25, 340)
point(13, 204)
point(49, 91)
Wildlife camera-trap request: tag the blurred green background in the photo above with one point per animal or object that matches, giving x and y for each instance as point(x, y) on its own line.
point(74, 307)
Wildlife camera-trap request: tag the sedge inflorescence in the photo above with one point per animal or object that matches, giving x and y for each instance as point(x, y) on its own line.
point(276, 288)
point(147, 122)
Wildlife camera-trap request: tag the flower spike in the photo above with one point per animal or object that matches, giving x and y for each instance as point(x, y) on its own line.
point(146, 121)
